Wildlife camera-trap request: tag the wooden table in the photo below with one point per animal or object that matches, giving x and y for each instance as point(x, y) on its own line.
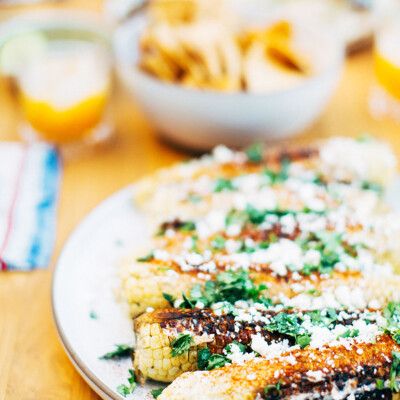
point(33, 365)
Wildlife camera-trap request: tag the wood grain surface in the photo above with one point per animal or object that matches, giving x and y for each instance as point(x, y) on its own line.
point(33, 365)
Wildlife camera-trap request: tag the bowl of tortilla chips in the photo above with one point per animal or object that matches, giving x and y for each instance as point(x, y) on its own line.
point(205, 76)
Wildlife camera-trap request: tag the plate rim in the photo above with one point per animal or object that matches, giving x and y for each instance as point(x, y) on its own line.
point(79, 364)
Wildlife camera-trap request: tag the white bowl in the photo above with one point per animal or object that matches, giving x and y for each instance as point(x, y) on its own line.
point(201, 119)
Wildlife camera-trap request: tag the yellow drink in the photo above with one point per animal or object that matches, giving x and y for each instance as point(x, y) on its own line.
point(387, 60)
point(64, 93)
point(64, 125)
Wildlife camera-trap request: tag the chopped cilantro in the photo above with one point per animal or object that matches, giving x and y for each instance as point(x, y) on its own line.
point(123, 389)
point(203, 356)
point(278, 177)
point(163, 268)
point(229, 287)
point(208, 361)
point(303, 340)
point(371, 186)
point(156, 392)
point(148, 257)
point(314, 292)
point(290, 325)
point(217, 361)
point(195, 243)
point(395, 372)
point(123, 350)
point(210, 294)
point(188, 302)
point(169, 298)
point(93, 315)
point(349, 333)
point(392, 316)
point(273, 390)
point(379, 384)
point(228, 347)
point(183, 226)
point(255, 152)
point(187, 226)
point(322, 317)
point(218, 243)
point(181, 344)
point(222, 184)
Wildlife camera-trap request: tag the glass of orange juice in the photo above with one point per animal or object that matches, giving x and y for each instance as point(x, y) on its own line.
point(64, 82)
point(385, 96)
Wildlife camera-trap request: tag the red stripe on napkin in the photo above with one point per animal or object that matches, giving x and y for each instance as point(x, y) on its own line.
point(10, 219)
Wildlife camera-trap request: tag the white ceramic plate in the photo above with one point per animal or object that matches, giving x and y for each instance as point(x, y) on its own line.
point(84, 279)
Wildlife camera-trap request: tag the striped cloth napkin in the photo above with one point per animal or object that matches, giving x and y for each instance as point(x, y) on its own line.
point(30, 178)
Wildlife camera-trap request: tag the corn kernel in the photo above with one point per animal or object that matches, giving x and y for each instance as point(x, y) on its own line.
point(155, 329)
point(155, 342)
point(166, 364)
point(145, 341)
point(158, 354)
point(158, 364)
point(147, 352)
point(148, 361)
point(175, 361)
point(185, 367)
point(183, 358)
point(167, 352)
point(144, 330)
point(192, 356)
point(164, 340)
point(174, 372)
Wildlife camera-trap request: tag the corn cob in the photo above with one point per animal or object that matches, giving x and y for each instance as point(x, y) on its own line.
point(156, 331)
point(335, 372)
point(144, 283)
point(167, 193)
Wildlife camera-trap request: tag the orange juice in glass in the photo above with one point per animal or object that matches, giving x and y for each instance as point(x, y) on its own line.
point(64, 92)
point(62, 64)
point(385, 97)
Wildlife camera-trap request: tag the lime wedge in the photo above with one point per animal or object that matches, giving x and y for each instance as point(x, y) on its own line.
point(19, 50)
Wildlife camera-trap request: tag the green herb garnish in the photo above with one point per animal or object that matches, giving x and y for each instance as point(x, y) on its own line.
point(148, 257)
point(207, 361)
point(203, 356)
point(123, 389)
point(156, 392)
point(228, 286)
point(255, 152)
point(123, 350)
point(222, 184)
point(290, 325)
point(395, 372)
point(280, 176)
point(217, 361)
point(273, 390)
point(218, 243)
point(181, 344)
point(349, 333)
point(171, 299)
point(379, 384)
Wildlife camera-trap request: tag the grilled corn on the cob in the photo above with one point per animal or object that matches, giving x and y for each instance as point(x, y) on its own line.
point(339, 372)
point(144, 285)
point(170, 192)
point(156, 331)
